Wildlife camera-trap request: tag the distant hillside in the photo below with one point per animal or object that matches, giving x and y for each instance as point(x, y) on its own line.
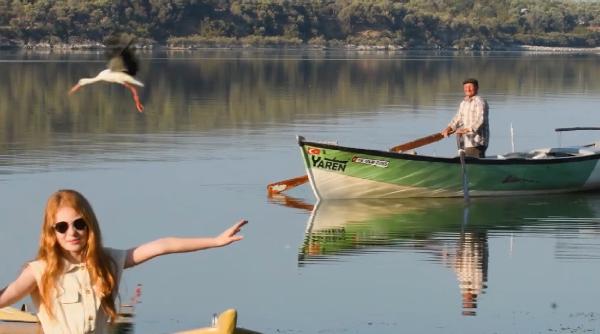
point(437, 24)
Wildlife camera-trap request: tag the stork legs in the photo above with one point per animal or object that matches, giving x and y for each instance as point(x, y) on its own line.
point(136, 97)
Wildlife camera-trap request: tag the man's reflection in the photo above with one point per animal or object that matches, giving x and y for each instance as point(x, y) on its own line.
point(469, 260)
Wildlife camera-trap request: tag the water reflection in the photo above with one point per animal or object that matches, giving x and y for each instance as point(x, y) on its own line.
point(449, 232)
point(213, 94)
point(207, 91)
point(469, 260)
point(290, 202)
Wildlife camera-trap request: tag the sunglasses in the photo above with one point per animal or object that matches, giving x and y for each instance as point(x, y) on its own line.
point(62, 227)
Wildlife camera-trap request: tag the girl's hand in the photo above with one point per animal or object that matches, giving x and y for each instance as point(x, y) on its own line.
point(230, 235)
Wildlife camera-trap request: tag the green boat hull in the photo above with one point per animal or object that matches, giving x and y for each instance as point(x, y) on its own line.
point(338, 172)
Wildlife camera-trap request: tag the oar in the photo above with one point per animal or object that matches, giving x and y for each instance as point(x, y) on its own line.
point(577, 128)
point(277, 187)
point(418, 143)
point(463, 166)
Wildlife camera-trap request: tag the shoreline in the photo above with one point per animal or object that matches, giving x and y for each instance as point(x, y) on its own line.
point(46, 47)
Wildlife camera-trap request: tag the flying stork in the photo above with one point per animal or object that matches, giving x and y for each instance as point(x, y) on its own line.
point(122, 67)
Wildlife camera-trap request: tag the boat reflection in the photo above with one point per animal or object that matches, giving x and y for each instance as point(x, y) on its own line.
point(290, 202)
point(448, 231)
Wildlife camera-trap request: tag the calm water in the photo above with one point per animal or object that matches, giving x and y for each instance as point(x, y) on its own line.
point(220, 125)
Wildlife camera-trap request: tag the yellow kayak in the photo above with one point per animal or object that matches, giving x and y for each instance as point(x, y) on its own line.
point(225, 323)
point(15, 321)
point(14, 315)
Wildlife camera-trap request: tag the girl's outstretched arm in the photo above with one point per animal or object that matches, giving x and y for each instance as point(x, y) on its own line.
point(171, 245)
point(21, 287)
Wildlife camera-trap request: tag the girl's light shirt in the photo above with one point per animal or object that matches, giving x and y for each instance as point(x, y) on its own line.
point(77, 305)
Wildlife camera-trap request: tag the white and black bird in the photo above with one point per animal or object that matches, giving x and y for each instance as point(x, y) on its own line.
point(122, 67)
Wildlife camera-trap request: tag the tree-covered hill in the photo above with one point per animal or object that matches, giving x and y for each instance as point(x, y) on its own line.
point(461, 24)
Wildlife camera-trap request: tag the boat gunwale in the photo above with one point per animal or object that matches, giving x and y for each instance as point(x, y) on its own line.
point(454, 160)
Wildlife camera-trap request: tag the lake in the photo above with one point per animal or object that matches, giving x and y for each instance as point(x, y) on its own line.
point(219, 125)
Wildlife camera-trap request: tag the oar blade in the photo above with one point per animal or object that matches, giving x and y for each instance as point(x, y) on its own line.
point(277, 187)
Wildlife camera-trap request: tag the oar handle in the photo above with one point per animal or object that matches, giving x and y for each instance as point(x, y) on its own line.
point(463, 167)
point(459, 142)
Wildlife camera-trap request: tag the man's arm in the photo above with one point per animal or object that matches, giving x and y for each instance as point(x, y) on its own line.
point(454, 123)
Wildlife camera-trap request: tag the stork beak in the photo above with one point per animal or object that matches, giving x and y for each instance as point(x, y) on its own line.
point(74, 89)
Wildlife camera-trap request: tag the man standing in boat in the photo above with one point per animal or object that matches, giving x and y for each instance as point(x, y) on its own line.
point(471, 121)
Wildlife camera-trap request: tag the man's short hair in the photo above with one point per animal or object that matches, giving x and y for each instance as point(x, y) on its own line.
point(471, 81)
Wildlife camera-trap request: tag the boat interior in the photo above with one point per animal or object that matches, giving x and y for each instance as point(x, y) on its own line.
point(554, 152)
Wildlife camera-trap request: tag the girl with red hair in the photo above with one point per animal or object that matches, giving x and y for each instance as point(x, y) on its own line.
point(74, 279)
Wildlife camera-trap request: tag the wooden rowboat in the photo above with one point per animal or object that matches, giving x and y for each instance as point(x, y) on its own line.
point(15, 321)
point(14, 315)
point(339, 172)
point(225, 323)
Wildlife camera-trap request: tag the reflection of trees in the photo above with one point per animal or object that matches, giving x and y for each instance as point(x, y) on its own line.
point(231, 89)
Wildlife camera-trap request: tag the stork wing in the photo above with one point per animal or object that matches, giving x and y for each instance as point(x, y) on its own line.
point(121, 56)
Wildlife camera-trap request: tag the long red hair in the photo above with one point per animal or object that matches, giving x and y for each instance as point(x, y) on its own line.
point(100, 266)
